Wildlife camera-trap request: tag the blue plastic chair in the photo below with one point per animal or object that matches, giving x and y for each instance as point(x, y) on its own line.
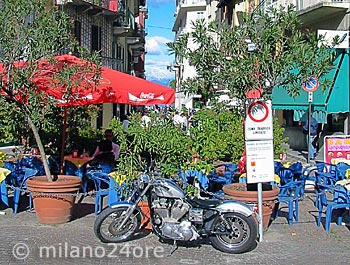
point(104, 186)
point(297, 169)
point(17, 179)
point(340, 201)
point(289, 194)
point(34, 163)
point(310, 172)
point(286, 175)
point(4, 193)
point(69, 168)
point(277, 166)
point(342, 170)
point(217, 182)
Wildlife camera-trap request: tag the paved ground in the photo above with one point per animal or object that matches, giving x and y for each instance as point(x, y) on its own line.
point(25, 241)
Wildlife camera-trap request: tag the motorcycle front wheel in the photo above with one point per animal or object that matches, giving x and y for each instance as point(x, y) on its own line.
point(107, 224)
point(235, 233)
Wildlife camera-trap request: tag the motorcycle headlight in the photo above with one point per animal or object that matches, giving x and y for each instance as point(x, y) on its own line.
point(142, 181)
point(144, 178)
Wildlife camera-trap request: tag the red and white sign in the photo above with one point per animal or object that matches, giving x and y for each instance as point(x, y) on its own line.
point(311, 84)
point(260, 167)
point(258, 125)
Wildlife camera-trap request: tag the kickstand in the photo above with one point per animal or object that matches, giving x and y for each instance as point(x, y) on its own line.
point(173, 248)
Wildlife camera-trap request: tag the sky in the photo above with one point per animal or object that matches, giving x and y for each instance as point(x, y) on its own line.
point(159, 31)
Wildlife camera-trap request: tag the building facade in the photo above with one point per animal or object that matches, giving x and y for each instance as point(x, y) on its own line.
point(187, 12)
point(116, 30)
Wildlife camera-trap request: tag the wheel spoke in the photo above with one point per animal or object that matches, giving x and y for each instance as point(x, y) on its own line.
point(235, 229)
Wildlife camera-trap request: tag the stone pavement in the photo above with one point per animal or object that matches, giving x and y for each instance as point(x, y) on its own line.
point(24, 241)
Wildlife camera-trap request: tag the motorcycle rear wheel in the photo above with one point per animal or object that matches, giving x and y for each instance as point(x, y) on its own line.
point(237, 237)
point(108, 220)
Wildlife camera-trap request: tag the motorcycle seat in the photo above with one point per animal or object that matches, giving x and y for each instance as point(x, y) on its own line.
point(205, 203)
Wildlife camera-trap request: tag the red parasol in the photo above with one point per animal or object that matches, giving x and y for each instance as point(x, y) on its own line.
point(111, 87)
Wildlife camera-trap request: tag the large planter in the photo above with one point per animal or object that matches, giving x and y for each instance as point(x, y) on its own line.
point(51, 204)
point(238, 191)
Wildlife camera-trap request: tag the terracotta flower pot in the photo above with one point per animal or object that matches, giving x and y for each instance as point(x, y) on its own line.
point(238, 191)
point(146, 219)
point(51, 208)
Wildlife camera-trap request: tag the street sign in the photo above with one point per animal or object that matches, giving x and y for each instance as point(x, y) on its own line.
point(310, 96)
point(258, 125)
point(260, 166)
point(311, 84)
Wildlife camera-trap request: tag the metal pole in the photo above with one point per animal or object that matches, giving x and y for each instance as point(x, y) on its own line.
point(261, 229)
point(309, 128)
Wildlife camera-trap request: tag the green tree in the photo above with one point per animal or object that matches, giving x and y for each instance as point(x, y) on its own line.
point(280, 54)
point(30, 31)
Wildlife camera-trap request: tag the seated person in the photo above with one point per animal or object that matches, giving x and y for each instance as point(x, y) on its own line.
point(105, 156)
point(115, 147)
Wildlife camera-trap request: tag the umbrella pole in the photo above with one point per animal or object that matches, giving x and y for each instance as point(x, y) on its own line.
point(63, 139)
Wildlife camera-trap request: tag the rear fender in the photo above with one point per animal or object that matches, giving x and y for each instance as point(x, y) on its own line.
point(235, 206)
point(230, 206)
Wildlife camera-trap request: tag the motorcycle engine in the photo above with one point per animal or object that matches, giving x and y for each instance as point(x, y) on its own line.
point(168, 215)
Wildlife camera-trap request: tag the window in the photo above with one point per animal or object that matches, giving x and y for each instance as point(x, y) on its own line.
point(200, 15)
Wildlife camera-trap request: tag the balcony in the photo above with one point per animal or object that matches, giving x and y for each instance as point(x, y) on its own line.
point(125, 24)
point(180, 31)
point(93, 7)
point(190, 5)
point(185, 6)
point(113, 63)
point(311, 12)
point(303, 6)
point(313, 4)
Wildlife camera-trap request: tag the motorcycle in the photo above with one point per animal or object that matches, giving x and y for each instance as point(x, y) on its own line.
point(229, 224)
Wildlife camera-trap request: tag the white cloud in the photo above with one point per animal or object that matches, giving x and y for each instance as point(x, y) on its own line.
point(157, 58)
point(158, 70)
point(152, 47)
point(161, 39)
point(157, 45)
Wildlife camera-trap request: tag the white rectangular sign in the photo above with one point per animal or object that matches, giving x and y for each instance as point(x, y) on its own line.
point(258, 124)
point(260, 162)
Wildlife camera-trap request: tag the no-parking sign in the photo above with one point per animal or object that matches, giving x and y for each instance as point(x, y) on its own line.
point(258, 125)
point(311, 84)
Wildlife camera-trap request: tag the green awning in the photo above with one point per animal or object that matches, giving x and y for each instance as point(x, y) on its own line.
point(334, 100)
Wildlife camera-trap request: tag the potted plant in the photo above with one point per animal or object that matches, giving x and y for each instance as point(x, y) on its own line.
point(241, 192)
point(29, 35)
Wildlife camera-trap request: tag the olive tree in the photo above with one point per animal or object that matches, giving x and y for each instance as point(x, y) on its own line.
point(269, 49)
point(30, 31)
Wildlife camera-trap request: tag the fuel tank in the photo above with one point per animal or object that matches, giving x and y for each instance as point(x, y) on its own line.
point(168, 189)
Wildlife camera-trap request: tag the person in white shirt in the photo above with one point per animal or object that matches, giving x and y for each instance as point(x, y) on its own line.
point(145, 120)
point(177, 119)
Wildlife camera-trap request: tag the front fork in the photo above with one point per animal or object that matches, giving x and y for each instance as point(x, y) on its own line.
point(134, 206)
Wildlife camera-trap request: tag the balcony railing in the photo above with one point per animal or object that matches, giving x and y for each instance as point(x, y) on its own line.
point(310, 3)
point(126, 21)
point(115, 6)
point(192, 3)
point(304, 4)
point(189, 4)
point(113, 63)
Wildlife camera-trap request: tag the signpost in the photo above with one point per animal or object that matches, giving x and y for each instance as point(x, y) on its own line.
point(259, 147)
point(258, 125)
point(310, 86)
